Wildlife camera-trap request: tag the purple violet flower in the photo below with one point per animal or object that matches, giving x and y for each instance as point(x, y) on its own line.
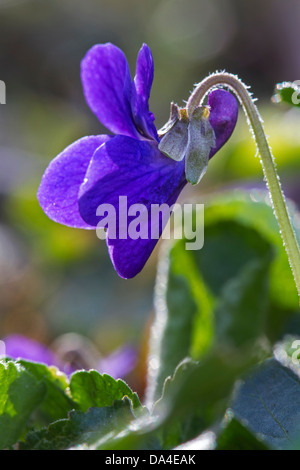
point(119, 363)
point(71, 356)
point(97, 170)
point(21, 347)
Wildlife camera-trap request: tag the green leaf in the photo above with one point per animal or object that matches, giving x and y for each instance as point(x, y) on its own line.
point(80, 429)
point(251, 210)
point(288, 92)
point(268, 401)
point(194, 386)
point(198, 394)
point(21, 393)
point(57, 402)
point(220, 292)
point(229, 246)
point(240, 314)
point(141, 434)
point(212, 305)
point(91, 389)
point(173, 328)
point(194, 399)
point(236, 436)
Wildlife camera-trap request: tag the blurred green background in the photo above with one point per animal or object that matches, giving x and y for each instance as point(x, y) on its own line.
point(54, 279)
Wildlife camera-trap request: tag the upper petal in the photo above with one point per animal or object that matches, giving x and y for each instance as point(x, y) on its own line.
point(223, 116)
point(107, 88)
point(141, 93)
point(58, 191)
point(137, 170)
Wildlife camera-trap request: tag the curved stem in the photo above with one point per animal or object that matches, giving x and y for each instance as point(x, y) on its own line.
point(266, 158)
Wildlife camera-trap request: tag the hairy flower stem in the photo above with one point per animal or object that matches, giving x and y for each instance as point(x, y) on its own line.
point(266, 158)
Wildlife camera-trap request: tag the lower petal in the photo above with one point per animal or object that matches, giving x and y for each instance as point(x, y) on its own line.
point(137, 171)
point(58, 191)
point(130, 256)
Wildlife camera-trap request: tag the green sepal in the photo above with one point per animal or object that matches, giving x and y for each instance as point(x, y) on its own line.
point(201, 139)
point(174, 135)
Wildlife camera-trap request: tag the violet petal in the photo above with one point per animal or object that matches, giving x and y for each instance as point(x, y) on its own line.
point(107, 88)
point(58, 191)
point(141, 93)
point(119, 363)
point(223, 116)
point(21, 347)
point(137, 170)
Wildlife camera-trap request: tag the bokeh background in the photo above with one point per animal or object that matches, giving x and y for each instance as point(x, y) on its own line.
point(53, 279)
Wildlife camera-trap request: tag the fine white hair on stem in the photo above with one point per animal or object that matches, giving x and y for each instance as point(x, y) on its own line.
point(255, 122)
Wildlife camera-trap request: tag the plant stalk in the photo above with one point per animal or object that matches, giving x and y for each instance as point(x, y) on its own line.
point(267, 160)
